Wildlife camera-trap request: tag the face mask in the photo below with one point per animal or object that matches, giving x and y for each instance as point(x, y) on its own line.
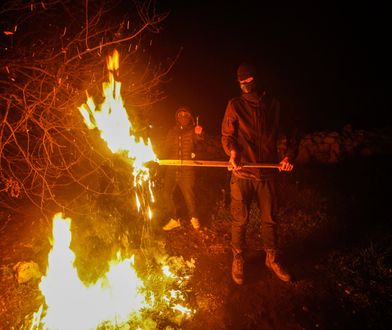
point(184, 119)
point(249, 87)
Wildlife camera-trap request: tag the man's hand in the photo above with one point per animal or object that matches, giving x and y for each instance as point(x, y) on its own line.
point(285, 165)
point(234, 161)
point(198, 129)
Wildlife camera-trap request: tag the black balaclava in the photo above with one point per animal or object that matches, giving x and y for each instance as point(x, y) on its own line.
point(244, 72)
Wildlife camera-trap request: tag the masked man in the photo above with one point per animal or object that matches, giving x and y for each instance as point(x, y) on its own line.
point(250, 131)
point(181, 143)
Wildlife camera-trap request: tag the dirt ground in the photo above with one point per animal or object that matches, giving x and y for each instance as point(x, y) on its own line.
point(328, 212)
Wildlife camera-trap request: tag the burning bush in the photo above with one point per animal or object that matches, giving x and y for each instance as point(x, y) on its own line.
point(52, 52)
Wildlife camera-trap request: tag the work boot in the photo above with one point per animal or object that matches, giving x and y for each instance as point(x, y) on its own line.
point(237, 268)
point(272, 263)
point(173, 223)
point(195, 223)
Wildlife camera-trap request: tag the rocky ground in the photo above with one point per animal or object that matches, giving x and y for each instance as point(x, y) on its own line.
point(335, 234)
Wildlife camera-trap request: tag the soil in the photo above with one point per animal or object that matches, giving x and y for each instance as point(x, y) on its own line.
point(348, 201)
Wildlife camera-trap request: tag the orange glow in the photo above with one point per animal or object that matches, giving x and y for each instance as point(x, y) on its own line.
point(111, 119)
point(115, 298)
point(119, 295)
point(74, 305)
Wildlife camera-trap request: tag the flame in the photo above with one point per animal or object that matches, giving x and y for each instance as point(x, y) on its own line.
point(74, 305)
point(111, 119)
point(117, 297)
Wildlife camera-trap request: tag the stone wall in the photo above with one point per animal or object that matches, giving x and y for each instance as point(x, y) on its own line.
point(321, 147)
point(331, 147)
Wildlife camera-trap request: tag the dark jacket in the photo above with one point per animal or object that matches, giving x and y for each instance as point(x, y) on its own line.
point(182, 142)
point(252, 126)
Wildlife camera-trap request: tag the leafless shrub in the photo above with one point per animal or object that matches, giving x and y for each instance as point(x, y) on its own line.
point(52, 52)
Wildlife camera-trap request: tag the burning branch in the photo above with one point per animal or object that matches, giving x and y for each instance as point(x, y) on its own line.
point(45, 152)
point(111, 119)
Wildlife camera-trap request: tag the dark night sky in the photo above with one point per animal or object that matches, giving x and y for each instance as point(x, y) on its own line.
point(327, 64)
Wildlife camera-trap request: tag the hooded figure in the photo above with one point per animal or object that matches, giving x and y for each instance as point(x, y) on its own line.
point(181, 139)
point(184, 117)
point(250, 130)
point(181, 144)
point(247, 78)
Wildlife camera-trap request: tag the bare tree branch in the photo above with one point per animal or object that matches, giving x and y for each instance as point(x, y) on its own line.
point(52, 52)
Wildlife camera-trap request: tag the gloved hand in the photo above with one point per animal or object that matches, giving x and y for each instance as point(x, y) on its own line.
point(285, 165)
point(198, 129)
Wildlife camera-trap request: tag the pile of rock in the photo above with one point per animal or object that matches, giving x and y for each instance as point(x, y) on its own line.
point(331, 147)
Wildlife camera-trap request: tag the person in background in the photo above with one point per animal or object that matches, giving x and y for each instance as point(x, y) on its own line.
point(181, 143)
point(250, 130)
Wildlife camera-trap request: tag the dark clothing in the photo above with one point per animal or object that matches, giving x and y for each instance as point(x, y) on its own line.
point(181, 143)
point(252, 126)
point(185, 180)
point(242, 193)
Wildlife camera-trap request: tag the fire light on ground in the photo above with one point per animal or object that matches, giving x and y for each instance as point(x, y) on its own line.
point(119, 299)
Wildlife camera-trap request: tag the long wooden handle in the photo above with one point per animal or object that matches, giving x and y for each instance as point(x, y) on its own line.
point(212, 163)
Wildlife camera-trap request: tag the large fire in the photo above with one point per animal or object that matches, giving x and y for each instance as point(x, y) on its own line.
point(119, 298)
